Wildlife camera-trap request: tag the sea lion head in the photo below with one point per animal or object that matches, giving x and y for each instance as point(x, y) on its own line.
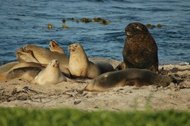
point(54, 47)
point(27, 47)
point(135, 28)
point(76, 47)
point(54, 63)
point(53, 44)
point(25, 55)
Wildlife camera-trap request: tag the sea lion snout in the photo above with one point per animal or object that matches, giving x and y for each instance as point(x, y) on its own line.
point(54, 63)
point(73, 47)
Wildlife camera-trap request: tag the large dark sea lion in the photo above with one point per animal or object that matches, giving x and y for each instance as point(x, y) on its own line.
point(80, 66)
point(140, 49)
point(130, 76)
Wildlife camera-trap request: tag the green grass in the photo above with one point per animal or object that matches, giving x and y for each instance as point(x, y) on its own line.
point(72, 117)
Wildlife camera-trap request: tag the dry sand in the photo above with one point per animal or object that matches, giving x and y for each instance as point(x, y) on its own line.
point(20, 93)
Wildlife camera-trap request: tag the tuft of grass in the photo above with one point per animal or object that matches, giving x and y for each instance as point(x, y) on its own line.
point(72, 117)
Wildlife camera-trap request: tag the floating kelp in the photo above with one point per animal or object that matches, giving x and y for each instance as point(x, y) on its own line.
point(89, 20)
point(64, 20)
point(80, 20)
point(64, 25)
point(49, 26)
point(101, 20)
point(151, 26)
point(86, 20)
point(158, 25)
point(73, 19)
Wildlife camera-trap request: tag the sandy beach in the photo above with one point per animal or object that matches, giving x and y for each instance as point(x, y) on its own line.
point(21, 93)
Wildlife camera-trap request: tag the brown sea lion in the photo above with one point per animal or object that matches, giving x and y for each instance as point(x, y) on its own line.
point(50, 75)
point(44, 56)
point(80, 66)
point(54, 47)
point(34, 53)
point(140, 49)
point(24, 70)
point(130, 76)
point(25, 56)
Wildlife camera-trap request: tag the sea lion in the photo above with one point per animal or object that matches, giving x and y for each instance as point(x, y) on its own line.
point(80, 66)
point(130, 76)
point(25, 56)
point(50, 75)
point(54, 47)
point(140, 49)
point(34, 53)
point(24, 70)
point(44, 56)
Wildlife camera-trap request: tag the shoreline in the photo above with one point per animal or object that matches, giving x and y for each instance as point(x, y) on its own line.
point(20, 93)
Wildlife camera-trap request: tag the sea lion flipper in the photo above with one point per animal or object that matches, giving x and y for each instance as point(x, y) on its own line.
point(65, 71)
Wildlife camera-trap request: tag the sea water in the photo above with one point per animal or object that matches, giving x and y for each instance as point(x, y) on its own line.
point(25, 22)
